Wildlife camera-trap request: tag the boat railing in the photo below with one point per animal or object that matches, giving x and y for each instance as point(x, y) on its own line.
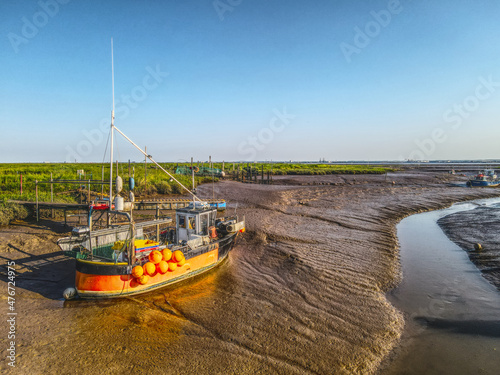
point(185, 250)
point(100, 243)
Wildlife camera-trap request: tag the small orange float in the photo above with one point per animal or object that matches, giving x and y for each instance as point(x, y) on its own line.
point(149, 269)
point(143, 279)
point(178, 256)
point(167, 254)
point(162, 267)
point(172, 266)
point(155, 257)
point(137, 272)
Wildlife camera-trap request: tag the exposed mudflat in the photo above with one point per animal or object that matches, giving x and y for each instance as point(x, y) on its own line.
point(302, 292)
point(481, 225)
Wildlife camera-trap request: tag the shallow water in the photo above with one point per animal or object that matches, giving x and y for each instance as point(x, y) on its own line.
point(453, 321)
point(480, 225)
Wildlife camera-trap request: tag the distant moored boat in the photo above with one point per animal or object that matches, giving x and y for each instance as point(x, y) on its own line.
point(485, 178)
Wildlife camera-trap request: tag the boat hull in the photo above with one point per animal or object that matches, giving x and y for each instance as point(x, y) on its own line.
point(474, 183)
point(111, 280)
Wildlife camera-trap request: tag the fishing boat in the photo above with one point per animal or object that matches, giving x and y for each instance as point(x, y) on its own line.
point(121, 260)
point(130, 257)
point(484, 178)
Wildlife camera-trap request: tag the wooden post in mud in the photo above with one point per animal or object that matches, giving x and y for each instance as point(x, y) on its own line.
point(36, 194)
point(145, 171)
point(192, 177)
point(51, 195)
point(262, 175)
point(21, 184)
point(157, 225)
point(102, 182)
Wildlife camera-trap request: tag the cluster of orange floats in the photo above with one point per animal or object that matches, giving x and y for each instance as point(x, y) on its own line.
point(159, 262)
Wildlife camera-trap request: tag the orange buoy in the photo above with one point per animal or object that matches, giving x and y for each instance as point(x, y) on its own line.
point(167, 254)
point(143, 279)
point(181, 263)
point(137, 271)
point(172, 266)
point(149, 269)
point(178, 256)
point(155, 257)
point(162, 267)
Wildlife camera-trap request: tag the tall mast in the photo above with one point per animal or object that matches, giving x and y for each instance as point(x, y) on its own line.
point(112, 129)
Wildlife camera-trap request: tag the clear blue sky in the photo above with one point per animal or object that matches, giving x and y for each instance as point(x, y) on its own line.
point(256, 79)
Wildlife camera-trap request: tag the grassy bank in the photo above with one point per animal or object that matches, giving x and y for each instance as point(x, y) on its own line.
point(10, 212)
point(320, 169)
point(157, 182)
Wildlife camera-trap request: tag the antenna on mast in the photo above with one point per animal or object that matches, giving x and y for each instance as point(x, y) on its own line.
point(113, 79)
point(111, 137)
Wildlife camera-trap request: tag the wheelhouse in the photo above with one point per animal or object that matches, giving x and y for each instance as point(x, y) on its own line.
point(194, 221)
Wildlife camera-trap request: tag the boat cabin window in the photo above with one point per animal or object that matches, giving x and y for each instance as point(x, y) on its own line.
point(192, 222)
point(213, 215)
point(204, 224)
point(182, 221)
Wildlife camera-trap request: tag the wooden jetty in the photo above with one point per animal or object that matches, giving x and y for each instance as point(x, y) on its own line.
point(65, 207)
